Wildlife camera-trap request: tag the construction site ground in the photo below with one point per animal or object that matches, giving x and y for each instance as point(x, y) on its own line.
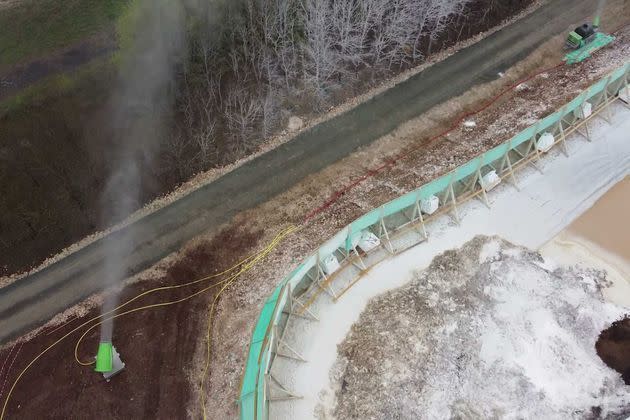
point(160, 343)
point(165, 348)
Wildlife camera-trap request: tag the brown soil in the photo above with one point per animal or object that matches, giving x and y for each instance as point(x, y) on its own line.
point(157, 345)
point(613, 346)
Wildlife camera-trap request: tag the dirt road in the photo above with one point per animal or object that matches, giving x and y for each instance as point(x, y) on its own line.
point(35, 299)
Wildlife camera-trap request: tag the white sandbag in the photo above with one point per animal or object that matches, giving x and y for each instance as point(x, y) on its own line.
point(584, 111)
point(368, 241)
point(330, 265)
point(430, 204)
point(489, 180)
point(545, 142)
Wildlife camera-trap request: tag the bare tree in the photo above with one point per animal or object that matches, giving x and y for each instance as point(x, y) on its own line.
point(242, 112)
point(176, 156)
point(348, 38)
point(281, 47)
point(322, 59)
point(204, 139)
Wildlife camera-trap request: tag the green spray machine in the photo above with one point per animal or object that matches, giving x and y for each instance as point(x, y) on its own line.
point(108, 360)
point(584, 40)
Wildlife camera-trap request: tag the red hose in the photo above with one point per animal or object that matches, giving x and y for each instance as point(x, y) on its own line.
point(392, 161)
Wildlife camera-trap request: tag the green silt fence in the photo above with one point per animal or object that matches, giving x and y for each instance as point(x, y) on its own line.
point(254, 396)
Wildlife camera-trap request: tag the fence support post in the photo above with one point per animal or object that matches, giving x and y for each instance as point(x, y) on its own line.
point(625, 87)
point(607, 102)
point(449, 192)
point(483, 190)
point(285, 394)
point(419, 210)
point(304, 309)
point(563, 139)
point(385, 233)
point(506, 158)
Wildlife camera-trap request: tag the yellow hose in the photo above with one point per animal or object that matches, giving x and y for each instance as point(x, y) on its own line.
point(278, 238)
point(244, 265)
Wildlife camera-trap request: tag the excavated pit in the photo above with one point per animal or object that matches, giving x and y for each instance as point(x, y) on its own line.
point(613, 347)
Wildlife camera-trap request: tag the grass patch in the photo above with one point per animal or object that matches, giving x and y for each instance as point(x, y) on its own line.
point(98, 72)
point(33, 28)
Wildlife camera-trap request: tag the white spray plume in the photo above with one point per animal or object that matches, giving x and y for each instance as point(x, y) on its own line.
point(140, 104)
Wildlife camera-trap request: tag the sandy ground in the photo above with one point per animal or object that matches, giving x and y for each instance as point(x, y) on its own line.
point(599, 238)
point(606, 222)
point(545, 205)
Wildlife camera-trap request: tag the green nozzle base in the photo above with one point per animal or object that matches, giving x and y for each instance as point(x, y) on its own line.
point(108, 360)
point(104, 357)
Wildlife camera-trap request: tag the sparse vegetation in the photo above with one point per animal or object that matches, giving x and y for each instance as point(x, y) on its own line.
point(59, 85)
point(32, 28)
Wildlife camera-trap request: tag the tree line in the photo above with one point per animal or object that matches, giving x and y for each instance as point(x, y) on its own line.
point(254, 63)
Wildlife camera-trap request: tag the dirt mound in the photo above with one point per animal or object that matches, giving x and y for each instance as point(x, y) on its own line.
point(487, 330)
point(613, 346)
